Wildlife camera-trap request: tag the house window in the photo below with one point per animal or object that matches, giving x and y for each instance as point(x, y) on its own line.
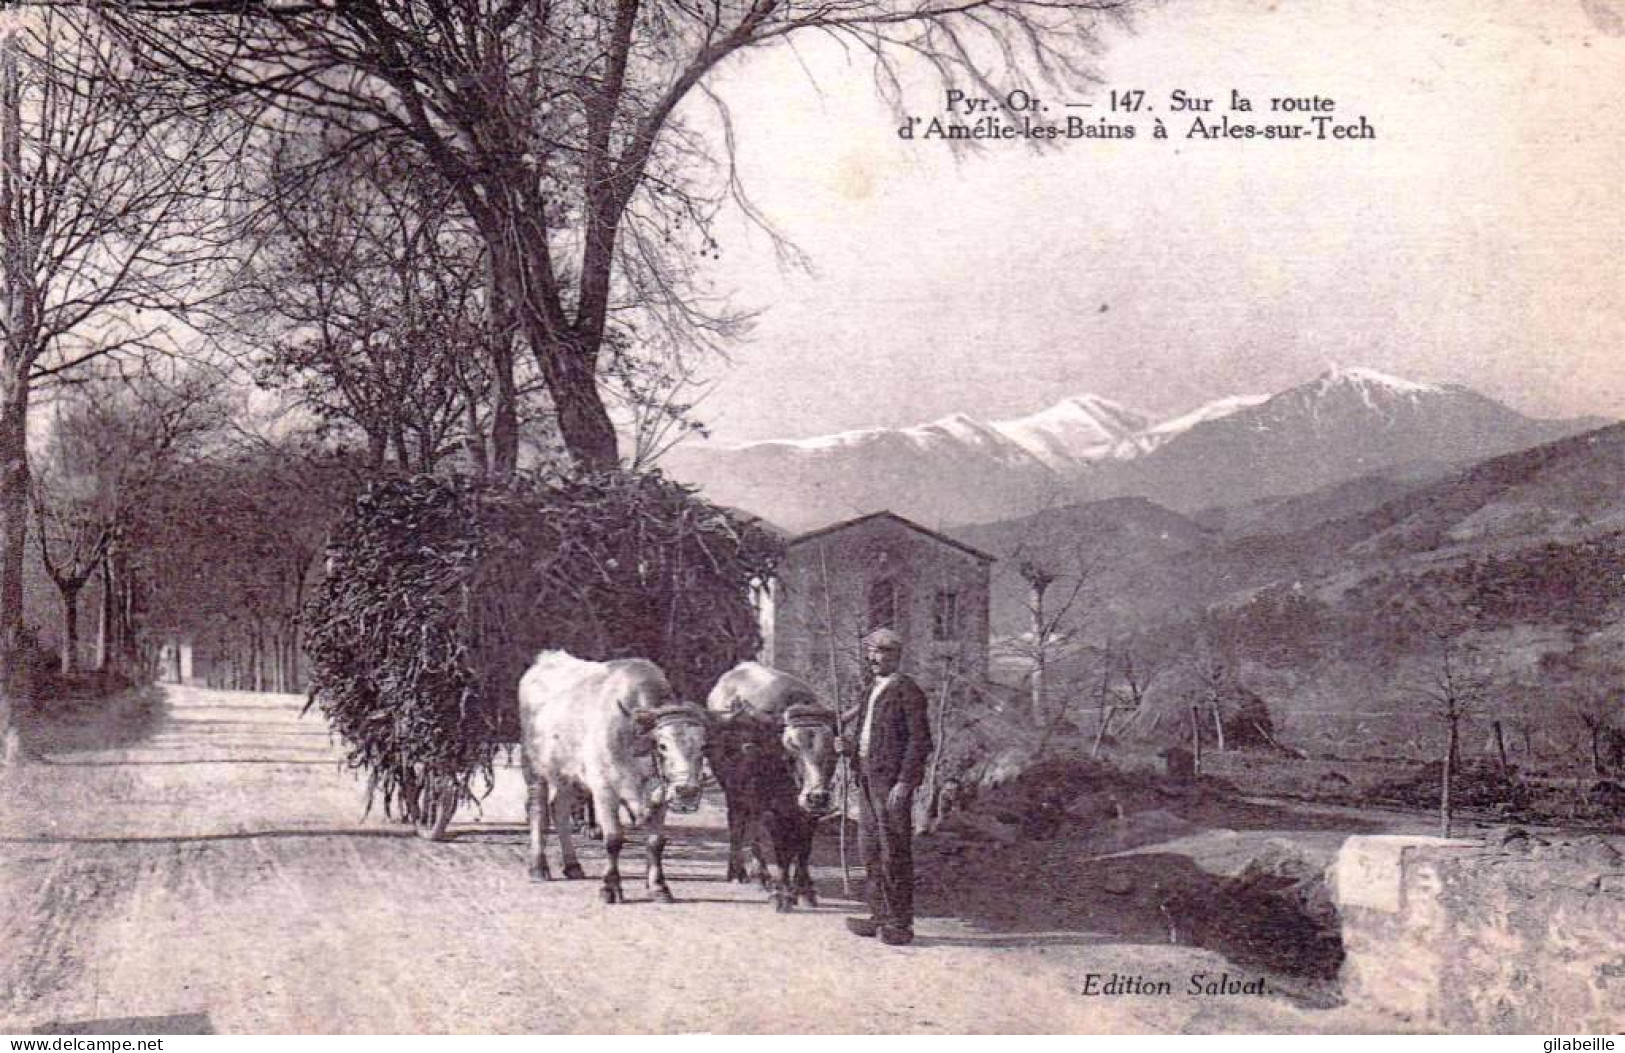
point(882, 605)
point(945, 618)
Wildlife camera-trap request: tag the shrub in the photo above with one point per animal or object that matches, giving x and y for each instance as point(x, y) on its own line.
point(440, 592)
point(1473, 784)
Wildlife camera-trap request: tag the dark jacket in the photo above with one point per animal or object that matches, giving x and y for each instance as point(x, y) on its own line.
point(900, 738)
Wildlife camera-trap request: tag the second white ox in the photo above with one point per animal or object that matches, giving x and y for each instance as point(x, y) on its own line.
point(614, 730)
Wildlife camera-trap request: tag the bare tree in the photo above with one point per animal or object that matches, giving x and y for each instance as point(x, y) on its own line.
point(106, 233)
point(73, 540)
point(112, 445)
point(231, 549)
point(1589, 682)
point(1057, 593)
point(1452, 687)
point(1125, 681)
point(366, 295)
point(566, 132)
point(1212, 672)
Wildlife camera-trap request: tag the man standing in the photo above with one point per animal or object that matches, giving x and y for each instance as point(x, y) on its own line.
point(893, 743)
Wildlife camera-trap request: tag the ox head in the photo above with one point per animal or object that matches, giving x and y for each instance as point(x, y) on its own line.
point(809, 739)
point(674, 736)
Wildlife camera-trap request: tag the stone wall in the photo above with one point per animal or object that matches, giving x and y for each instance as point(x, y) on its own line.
point(1512, 934)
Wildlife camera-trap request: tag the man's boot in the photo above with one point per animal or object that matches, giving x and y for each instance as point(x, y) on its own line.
point(862, 926)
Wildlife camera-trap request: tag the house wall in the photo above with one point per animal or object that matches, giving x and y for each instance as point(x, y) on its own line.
point(821, 605)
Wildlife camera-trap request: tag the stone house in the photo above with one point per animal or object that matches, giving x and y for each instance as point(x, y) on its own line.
point(842, 581)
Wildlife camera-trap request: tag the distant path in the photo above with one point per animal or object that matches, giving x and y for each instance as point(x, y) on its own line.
point(221, 870)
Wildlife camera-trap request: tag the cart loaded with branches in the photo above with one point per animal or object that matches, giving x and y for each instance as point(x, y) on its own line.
point(439, 592)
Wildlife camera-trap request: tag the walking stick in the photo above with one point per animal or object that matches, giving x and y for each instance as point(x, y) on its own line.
point(846, 781)
point(835, 685)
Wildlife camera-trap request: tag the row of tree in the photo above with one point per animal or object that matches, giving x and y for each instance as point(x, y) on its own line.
point(450, 231)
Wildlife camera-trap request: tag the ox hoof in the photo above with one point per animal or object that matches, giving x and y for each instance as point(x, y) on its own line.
point(662, 895)
point(808, 898)
point(539, 875)
point(573, 872)
point(783, 902)
point(611, 894)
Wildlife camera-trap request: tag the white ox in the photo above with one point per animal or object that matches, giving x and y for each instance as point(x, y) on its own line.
point(614, 730)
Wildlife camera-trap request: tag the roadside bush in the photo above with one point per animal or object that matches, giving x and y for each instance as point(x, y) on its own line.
point(47, 689)
point(440, 592)
point(1474, 784)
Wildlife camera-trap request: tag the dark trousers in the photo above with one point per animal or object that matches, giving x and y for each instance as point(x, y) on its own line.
point(888, 853)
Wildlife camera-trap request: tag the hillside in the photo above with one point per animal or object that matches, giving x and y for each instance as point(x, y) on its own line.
point(1519, 560)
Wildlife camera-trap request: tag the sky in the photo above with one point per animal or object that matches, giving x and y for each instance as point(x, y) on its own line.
point(1477, 239)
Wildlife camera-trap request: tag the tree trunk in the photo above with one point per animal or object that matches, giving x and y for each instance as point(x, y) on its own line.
point(116, 644)
point(397, 439)
point(578, 407)
point(568, 359)
point(104, 618)
point(1501, 748)
point(14, 672)
point(1596, 753)
point(1196, 741)
point(1449, 773)
point(1035, 604)
point(21, 321)
point(125, 653)
point(568, 366)
point(377, 450)
point(70, 630)
point(1218, 726)
point(1106, 714)
point(474, 445)
point(504, 394)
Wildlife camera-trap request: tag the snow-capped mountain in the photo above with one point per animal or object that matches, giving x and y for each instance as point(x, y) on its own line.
point(1344, 424)
point(1153, 437)
point(1086, 428)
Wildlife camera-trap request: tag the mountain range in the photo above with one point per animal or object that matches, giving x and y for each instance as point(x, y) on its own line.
point(1344, 425)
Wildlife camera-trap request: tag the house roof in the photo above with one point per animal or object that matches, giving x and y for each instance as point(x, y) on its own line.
point(909, 523)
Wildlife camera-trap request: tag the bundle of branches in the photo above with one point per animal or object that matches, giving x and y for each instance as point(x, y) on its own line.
point(440, 592)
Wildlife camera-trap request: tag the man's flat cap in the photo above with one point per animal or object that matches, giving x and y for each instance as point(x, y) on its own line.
point(886, 638)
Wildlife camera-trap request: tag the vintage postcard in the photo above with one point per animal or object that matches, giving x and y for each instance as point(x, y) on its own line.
point(761, 516)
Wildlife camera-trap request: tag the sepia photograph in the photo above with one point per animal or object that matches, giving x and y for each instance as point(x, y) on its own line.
point(784, 517)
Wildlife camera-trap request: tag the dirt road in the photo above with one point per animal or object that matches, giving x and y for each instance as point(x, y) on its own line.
point(218, 874)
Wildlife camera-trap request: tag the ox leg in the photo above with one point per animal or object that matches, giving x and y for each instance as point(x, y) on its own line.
point(763, 877)
point(609, 814)
point(803, 880)
point(589, 820)
point(742, 834)
point(736, 841)
point(655, 875)
point(536, 816)
point(779, 827)
point(564, 804)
